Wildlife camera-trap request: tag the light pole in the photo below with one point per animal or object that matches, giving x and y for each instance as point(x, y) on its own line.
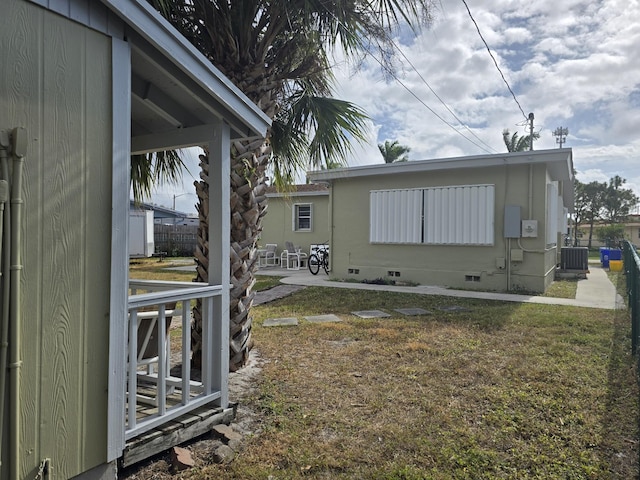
point(176, 196)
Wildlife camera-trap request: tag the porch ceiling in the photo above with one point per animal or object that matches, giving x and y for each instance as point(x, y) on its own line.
point(177, 95)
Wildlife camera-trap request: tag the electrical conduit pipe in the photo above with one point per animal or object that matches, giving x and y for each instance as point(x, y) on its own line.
point(5, 224)
point(19, 143)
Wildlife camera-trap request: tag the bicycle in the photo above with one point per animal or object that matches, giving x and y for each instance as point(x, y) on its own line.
point(320, 258)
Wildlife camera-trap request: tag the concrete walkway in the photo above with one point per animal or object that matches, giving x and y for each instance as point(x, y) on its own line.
point(596, 291)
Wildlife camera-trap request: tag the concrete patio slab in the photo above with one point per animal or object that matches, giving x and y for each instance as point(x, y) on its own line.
point(413, 311)
point(454, 308)
point(280, 322)
point(371, 314)
point(329, 318)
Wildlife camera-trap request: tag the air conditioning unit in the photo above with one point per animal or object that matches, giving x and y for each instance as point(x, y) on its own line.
point(574, 258)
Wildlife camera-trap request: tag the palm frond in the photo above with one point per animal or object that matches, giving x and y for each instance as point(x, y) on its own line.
point(333, 125)
point(158, 168)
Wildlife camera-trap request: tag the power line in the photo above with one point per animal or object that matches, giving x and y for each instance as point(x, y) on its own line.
point(437, 96)
point(394, 76)
point(494, 59)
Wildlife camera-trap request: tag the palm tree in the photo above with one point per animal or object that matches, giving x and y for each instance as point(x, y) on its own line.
point(515, 143)
point(393, 152)
point(277, 53)
point(154, 168)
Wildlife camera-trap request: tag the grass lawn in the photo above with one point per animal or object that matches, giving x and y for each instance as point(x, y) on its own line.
point(503, 390)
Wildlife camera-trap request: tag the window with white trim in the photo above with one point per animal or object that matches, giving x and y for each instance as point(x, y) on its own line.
point(553, 219)
point(302, 218)
point(453, 215)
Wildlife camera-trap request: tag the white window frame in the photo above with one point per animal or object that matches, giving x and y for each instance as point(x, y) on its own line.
point(296, 217)
point(553, 218)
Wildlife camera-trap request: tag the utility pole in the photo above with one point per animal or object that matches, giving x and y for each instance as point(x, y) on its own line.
point(561, 135)
point(531, 131)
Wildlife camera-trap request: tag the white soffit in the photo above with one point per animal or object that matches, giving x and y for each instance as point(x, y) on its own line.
point(174, 86)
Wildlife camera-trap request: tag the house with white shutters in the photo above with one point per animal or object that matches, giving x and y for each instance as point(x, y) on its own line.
point(488, 222)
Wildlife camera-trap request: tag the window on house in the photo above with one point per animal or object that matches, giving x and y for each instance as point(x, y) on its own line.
point(456, 215)
point(553, 220)
point(302, 217)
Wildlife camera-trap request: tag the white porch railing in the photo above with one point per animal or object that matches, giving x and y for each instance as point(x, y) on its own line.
point(178, 393)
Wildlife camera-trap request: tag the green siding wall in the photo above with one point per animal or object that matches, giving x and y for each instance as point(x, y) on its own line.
point(56, 82)
point(277, 226)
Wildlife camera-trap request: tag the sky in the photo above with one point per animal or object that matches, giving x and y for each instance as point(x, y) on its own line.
point(573, 64)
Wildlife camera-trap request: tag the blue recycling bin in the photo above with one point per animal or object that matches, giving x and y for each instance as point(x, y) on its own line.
point(607, 254)
point(615, 254)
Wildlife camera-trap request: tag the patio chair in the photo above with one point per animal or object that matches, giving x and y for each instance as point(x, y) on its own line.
point(292, 257)
point(270, 256)
point(147, 351)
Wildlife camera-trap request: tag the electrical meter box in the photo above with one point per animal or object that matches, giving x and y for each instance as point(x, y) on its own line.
point(529, 228)
point(512, 221)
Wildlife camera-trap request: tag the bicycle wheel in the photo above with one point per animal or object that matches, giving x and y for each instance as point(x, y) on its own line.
point(325, 264)
point(314, 264)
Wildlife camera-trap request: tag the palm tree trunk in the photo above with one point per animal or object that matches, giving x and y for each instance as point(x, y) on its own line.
point(249, 159)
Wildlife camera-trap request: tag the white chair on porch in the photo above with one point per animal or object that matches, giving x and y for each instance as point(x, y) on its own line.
point(148, 354)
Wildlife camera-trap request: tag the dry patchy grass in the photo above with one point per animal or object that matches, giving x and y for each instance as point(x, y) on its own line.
point(500, 391)
point(563, 288)
point(154, 269)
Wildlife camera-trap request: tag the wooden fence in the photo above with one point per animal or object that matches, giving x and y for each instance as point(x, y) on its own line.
point(175, 240)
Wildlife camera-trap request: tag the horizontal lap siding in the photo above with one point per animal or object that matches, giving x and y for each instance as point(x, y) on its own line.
point(59, 89)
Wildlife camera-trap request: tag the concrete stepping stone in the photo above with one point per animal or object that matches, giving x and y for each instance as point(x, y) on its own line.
point(280, 322)
point(454, 308)
point(323, 318)
point(371, 314)
point(413, 311)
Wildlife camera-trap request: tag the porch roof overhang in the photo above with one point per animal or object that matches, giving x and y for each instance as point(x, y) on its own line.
point(559, 163)
point(177, 95)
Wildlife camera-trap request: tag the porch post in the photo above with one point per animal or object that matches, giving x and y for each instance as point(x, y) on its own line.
point(219, 251)
point(121, 128)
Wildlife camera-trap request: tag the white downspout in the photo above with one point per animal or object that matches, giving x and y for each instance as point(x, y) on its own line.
point(5, 259)
point(530, 192)
point(19, 143)
point(331, 226)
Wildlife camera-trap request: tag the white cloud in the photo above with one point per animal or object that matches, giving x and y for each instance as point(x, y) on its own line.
point(573, 66)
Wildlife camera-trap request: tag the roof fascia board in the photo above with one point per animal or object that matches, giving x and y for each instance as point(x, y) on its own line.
point(150, 25)
point(298, 194)
point(562, 156)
